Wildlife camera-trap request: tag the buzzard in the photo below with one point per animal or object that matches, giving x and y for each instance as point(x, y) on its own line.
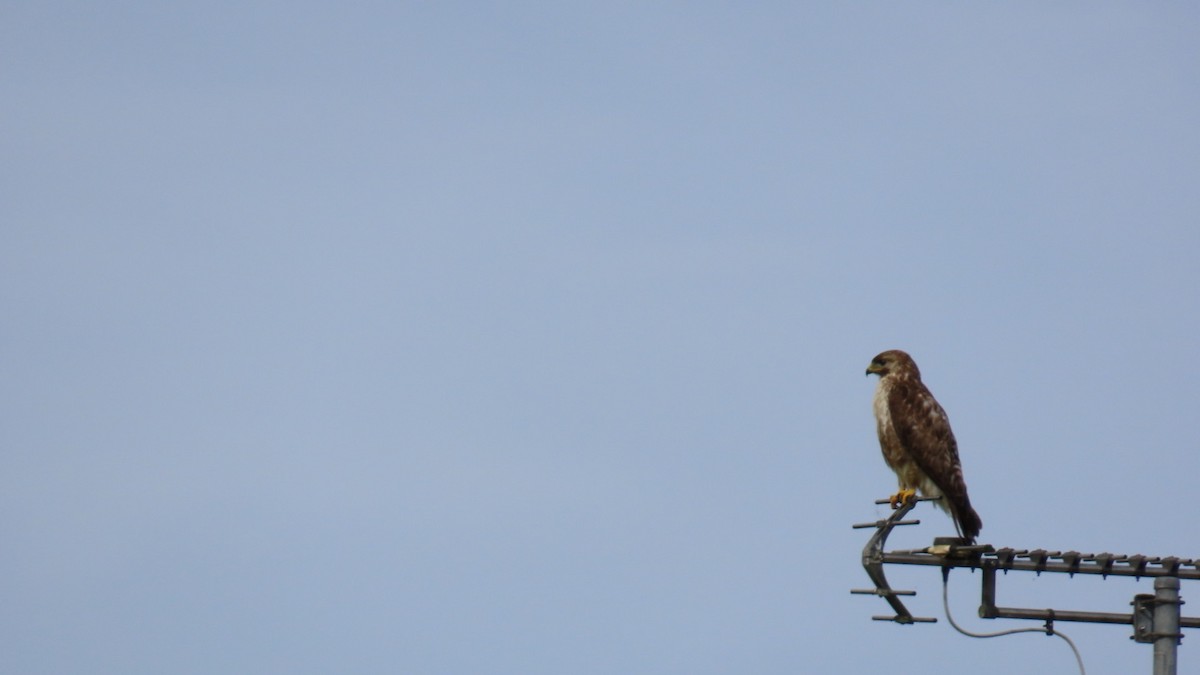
point(917, 443)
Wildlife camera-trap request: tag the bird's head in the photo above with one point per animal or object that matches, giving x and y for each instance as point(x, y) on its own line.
point(893, 361)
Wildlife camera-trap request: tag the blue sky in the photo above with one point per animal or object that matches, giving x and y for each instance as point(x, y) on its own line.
point(530, 337)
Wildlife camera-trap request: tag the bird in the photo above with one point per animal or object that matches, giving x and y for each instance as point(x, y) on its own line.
point(917, 442)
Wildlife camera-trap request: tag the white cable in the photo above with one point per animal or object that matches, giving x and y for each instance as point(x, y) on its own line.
point(1011, 631)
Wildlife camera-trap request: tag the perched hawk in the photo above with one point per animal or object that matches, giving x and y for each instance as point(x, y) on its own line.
point(917, 443)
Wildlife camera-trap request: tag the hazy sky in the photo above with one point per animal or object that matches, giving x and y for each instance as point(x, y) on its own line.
point(529, 338)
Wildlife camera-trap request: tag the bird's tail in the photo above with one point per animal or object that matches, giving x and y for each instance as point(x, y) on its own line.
point(966, 521)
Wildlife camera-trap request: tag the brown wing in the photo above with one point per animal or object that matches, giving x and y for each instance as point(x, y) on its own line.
point(924, 429)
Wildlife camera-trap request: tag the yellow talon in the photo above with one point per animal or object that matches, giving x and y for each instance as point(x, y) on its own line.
point(902, 497)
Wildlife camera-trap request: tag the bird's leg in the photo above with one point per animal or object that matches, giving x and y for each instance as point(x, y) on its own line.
point(904, 496)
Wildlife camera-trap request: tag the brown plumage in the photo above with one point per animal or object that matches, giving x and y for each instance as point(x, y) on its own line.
point(917, 443)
